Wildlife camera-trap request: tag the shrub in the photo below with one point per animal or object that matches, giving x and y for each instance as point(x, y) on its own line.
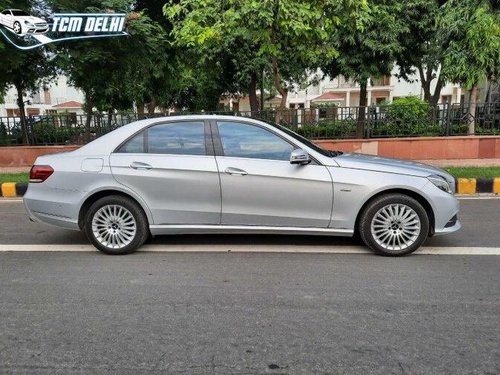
point(409, 116)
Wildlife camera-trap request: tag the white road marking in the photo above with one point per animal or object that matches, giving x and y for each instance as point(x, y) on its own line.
point(10, 200)
point(479, 197)
point(253, 249)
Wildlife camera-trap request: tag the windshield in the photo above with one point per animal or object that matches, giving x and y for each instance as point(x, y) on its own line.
point(19, 13)
point(306, 141)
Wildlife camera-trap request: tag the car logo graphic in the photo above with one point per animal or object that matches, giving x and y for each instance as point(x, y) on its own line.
point(22, 23)
point(26, 32)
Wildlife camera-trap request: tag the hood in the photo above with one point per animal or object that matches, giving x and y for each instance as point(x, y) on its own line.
point(377, 163)
point(31, 19)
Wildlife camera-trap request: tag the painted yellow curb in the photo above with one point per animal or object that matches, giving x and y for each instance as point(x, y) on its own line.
point(466, 186)
point(9, 189)
point(496, 185)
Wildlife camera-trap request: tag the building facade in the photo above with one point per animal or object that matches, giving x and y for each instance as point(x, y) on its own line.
point(59, 97)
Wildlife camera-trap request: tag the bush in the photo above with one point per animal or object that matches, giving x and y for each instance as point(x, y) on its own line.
point(329, 129)
point(408, 116)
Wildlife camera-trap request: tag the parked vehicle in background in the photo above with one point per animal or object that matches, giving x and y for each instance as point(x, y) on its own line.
point(225, 174)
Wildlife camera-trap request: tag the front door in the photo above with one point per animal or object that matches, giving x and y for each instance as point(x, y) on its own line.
point(259, 185)
point(172, 167)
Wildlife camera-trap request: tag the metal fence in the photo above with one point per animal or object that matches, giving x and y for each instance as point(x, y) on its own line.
point(318, 123)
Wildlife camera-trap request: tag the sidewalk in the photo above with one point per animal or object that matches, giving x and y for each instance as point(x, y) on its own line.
point(463, 162)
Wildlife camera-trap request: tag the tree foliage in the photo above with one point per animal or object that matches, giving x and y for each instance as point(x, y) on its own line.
point(369, 53)
point(473, 54)
point(286, 36)
point(423, 45)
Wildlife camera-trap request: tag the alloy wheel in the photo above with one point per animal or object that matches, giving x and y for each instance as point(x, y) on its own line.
point(114, 226)
point(395, 227)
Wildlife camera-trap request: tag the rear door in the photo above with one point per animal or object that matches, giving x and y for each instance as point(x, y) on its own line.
point(259, 185)
point(171, 165)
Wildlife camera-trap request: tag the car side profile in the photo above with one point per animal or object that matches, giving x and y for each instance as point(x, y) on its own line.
point(21, 22)
point(225, 174)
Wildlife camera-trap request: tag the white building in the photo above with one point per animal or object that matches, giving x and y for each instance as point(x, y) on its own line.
point(59, 97)
point(345, 93)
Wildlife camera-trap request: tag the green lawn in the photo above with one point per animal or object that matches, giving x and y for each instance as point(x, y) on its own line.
point(14, 177)
point(464, 172)
point(474, 172)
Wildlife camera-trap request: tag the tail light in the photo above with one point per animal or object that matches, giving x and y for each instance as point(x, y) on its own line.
point(39, 173)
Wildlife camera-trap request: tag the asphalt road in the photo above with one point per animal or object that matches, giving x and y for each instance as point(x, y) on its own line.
point(228, 313)
point(480, 220)
point(249, 313)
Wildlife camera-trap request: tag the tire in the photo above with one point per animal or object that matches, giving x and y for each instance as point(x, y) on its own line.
point(17, 28)
point(394, 225)
point(116, 225)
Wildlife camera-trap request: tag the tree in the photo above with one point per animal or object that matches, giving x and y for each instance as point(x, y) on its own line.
point(27, 71)
point(288, 36)
point(423, 45)
point(114, 73)
point(370, 53)
point(473, 54)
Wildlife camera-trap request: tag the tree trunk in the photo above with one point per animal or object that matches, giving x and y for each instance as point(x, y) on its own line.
point(426, 79)
point(472, 110)
point(110, 118)
point(252, 93)
point(434, 98)
point(282, 90)
point(140, 110)
point(89, 106)
point(22, 114)
point(151, 106)
point(363, 100)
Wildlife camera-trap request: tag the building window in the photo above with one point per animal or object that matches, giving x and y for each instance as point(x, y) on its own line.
point(446, 99)
point(33, 111)
point(13, 112)
point(46, 96)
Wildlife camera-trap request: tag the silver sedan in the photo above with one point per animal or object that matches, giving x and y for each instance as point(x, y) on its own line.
point(224, 174)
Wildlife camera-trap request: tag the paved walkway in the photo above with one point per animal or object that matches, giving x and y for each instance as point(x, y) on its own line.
point(464, 162)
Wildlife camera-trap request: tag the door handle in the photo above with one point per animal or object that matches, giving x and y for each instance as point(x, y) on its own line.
point(140, 165)
point(235, 171)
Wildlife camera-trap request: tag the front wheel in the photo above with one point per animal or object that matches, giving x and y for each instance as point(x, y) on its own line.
point(394, 224)
point(17, 28)
point(116, 225)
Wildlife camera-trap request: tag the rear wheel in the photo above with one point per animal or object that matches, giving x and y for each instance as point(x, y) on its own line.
point(394, 224)
point(116, 225)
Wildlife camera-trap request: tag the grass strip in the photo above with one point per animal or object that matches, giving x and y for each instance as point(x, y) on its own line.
point(458, 172)
point(474, 172)
point(22, 177)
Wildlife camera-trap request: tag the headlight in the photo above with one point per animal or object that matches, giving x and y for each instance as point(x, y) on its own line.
point(441, 183)
point(28, 24)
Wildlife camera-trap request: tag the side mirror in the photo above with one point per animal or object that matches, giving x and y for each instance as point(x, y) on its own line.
point(299, 156)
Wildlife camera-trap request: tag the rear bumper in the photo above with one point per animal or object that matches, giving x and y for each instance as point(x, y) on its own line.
point(37, 211)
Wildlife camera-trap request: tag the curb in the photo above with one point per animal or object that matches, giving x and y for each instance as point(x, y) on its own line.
point(13, 189)
point(465, 186)
point(478, 185)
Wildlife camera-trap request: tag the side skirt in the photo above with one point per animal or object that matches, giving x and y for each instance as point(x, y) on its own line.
point(237, 229)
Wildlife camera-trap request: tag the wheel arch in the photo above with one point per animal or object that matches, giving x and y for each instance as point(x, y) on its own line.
point(418, 197)
point(104, 193)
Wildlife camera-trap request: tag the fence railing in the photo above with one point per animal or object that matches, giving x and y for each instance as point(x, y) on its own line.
point(319, 123)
